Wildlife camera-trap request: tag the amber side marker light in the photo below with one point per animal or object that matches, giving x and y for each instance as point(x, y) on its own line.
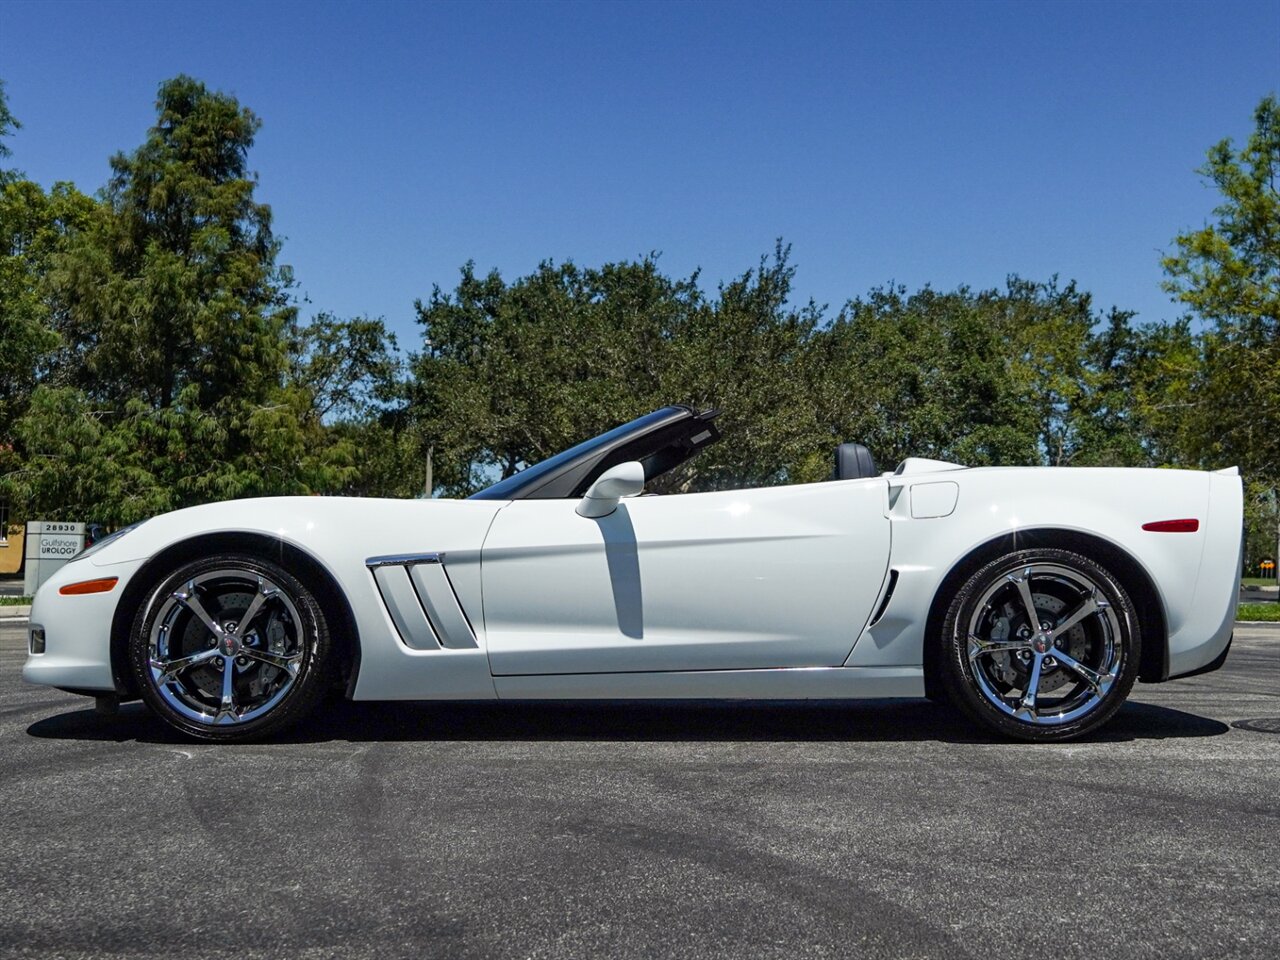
point(88, 586)
point(1172, 526)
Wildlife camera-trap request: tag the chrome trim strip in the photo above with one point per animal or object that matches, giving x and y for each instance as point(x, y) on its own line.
point(404, 560)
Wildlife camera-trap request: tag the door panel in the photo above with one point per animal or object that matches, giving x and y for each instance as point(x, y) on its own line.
point(777, 577)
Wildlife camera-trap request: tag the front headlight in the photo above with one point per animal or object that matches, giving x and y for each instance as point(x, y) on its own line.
point(109, 538)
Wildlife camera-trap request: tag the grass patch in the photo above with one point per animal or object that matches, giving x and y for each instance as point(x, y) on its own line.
point(1258, 581)
point(1259, 611)
point(14, 601)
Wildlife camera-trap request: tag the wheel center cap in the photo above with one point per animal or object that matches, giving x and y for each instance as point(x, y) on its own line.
point(1042, 643)
point(229, 645)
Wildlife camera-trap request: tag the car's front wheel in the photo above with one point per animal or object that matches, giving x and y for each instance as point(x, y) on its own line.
point(231, 647)
point(1041, 645)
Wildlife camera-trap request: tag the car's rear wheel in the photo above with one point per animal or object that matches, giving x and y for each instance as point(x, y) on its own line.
point(231, 647)
point(1041, 645)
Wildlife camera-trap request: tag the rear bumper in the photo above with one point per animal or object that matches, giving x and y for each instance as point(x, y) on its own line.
point(1211, 666)
point(1210, 612)
point(1187, 659)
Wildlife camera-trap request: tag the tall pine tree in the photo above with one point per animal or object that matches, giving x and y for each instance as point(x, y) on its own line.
point(169, 384)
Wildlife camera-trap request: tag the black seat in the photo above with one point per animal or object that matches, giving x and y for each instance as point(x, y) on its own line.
point(853, 462)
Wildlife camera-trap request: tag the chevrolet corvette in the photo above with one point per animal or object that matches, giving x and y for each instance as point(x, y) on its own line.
point(1030, 598)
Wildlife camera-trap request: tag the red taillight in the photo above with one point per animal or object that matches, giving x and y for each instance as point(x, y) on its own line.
point(1172, 526)
point(88, 586)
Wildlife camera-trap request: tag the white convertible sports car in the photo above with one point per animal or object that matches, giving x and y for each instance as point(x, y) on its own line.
point(1031, 598)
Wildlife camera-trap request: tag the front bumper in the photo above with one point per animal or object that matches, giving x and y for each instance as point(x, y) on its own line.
point(77, 629)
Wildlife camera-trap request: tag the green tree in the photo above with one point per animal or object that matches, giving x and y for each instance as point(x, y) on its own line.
point(1228, 275)
point(512, 373)
point(177, 287)
point(753, 354)
point(173, 317)
point(350, 368)
point(1144, 382)
point(8, 124)
point(998, 376)
point(35, 227)
point(349, 378)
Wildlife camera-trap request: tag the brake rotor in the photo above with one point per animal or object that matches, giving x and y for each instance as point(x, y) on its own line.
point(231, 606)
point(1014, 670)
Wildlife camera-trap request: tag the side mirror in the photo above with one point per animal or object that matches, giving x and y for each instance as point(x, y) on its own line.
point(624, 480)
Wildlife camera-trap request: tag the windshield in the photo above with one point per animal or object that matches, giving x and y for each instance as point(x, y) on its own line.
point(503, 489)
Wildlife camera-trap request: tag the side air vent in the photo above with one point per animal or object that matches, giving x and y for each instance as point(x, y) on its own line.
point(888, 595)
point(421, 601)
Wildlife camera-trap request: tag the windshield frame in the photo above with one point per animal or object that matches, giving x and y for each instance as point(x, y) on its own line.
point(567, 474)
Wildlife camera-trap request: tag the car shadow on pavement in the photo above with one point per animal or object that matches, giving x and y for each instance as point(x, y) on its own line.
point(621, 720)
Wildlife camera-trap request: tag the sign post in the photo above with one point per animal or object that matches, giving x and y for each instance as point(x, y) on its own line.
point(48, 545)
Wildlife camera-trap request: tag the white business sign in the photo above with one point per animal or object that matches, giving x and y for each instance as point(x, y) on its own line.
point(49, 544)
point(59, 546)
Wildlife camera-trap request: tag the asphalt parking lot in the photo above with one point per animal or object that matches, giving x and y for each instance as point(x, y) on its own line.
point(635, 830)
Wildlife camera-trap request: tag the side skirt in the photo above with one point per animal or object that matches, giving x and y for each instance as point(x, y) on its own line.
point(796, 683)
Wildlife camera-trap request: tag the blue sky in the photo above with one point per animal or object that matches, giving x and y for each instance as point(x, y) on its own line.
point(937, 142)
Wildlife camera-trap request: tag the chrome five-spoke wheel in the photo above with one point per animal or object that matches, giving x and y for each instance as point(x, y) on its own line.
point(225, 646)
point(1043, 644)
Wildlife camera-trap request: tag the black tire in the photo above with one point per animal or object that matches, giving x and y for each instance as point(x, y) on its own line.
point(280, 663)
point(992, 651)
